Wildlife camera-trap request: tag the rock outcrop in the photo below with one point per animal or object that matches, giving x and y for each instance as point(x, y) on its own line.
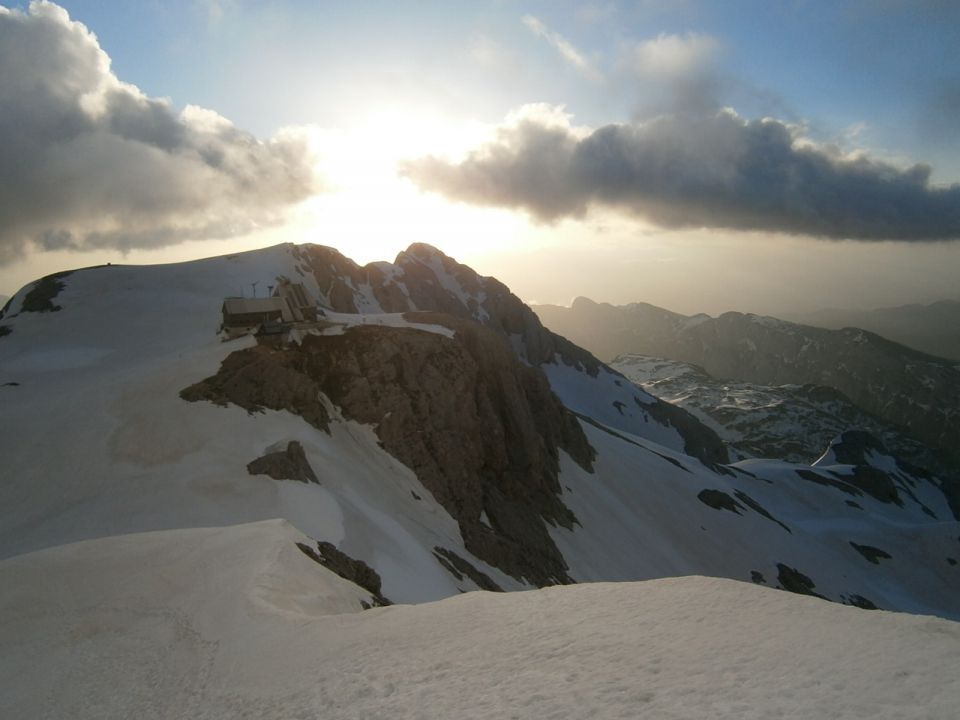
point(264, 377)
point(288, 464)
point(481, 430)
point(356, 571)
point(424, 279)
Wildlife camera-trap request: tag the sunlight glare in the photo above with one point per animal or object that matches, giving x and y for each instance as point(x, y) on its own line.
point(369, 212)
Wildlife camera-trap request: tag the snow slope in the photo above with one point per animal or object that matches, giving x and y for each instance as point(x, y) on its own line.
point(170, 624)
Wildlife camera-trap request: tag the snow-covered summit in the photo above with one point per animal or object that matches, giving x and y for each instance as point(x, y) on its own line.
point(452, 441)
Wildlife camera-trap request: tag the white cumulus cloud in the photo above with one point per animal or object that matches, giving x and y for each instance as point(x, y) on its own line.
point(89, 161)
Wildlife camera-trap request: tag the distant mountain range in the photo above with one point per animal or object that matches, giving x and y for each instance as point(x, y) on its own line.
point(932, 328)
point(917, 392)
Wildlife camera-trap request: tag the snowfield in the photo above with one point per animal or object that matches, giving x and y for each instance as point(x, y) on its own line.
point(236, 622)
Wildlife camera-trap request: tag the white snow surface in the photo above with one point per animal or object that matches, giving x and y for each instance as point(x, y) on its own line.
point(611, 400)
point(396, 320)
point(171, 625)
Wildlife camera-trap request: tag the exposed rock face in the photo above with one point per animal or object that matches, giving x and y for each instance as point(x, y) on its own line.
point(719, 500)
point(342, 281)
point(873, 470)
point(424, 279)
point(480, 429)
point(459, 567)
point(871, 553)
point(487, 300)
point(855, 447)
point(918, 392)
point(41, 295)
point(699, 440)
point(288, 464)
point(356, 571)
point(795, 581)
point(264, 377)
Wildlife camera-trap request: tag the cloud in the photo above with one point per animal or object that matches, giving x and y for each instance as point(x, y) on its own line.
point(684, 73)
point(676, 56)
point(687, 170)
point(89, 161)
point(563, 46)
point(678, 73)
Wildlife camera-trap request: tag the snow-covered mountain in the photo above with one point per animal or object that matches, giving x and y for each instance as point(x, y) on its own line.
point(789, 422)
point(411, 427)
point(933, 327)
point(919, 393)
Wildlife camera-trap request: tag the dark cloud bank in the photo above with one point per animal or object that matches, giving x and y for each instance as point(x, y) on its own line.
point(712, 170)
point(88, 161)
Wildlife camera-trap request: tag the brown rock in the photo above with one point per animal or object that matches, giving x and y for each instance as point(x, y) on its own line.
point(459, 567)
point(288, 464)
point(356, 571)
point(480, 430)
point(263, 377)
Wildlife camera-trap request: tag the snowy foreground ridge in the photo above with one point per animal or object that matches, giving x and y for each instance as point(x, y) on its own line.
point(190, 632)
point(191, 527)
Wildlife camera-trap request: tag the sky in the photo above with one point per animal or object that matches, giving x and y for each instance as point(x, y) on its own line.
point(759, 156)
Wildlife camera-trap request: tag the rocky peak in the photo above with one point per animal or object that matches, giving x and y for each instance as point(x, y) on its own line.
point(425, 279)
point(347, 287)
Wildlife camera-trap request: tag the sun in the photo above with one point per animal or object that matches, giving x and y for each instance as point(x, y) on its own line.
point(369, 211)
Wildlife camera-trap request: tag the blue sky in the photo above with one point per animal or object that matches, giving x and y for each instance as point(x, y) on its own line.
point(880, 63)
point(378, 82)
